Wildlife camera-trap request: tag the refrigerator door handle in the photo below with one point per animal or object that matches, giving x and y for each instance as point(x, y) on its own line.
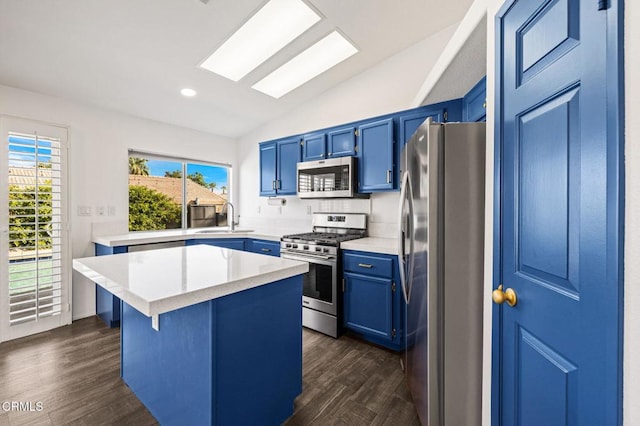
point(405, 278)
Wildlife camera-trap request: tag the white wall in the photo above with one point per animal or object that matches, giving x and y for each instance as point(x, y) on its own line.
point(388, 87)
point(631, 375)
point(99, 141)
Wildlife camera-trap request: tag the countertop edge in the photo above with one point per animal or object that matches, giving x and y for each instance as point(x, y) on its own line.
point(157, 307)
point(132, 240)
point(377, 245)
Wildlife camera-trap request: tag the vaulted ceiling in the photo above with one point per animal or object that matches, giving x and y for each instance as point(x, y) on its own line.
point(135, 56)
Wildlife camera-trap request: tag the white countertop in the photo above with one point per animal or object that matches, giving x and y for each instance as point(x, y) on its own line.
point(373, 245)
point(149, 237)
point(163, 280)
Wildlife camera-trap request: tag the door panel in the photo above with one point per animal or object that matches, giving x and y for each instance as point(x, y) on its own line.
point(559, 210)
point(548, 182)
point(289, 154)
point(548, 402)
point(267, 168)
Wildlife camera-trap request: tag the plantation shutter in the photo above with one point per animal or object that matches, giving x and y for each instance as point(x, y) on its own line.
point(35, 249)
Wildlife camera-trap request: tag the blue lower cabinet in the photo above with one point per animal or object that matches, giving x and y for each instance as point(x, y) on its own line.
point(235, 360)
point(270, 248)
point(230, 243)
point(108, 305)
point(372, 298)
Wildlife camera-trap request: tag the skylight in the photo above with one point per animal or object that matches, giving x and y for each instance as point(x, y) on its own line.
point(273, 27)
point(318, 58)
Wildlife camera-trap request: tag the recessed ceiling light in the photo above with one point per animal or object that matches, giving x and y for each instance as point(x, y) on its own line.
point(189, 93)
point(318, 58)
point(273, 27)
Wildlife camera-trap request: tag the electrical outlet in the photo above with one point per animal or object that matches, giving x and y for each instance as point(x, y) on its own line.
point(309, 210)
point(101, 211)
point(279, 209)
point(111, 210)
point(84, 210)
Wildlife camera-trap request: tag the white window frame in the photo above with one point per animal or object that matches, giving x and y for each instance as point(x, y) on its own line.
point(183, 161)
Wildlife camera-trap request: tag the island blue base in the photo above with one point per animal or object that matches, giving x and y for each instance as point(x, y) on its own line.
point(227, 361)
point(108, 305)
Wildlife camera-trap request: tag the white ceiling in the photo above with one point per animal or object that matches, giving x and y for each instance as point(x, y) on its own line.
point(134, 56)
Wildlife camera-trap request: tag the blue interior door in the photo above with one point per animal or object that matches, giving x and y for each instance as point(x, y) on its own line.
point(559, 347)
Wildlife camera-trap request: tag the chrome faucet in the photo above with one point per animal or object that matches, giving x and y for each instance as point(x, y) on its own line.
point(232, 224)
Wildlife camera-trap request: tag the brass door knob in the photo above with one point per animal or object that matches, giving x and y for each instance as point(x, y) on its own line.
point(508, 295)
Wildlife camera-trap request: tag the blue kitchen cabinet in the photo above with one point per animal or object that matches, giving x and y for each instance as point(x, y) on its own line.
point(270, 248)
point(341, 142)
point(289, 155)
point(108, 305)
point(372, 298)
point(278, 160)
point(474, 103)
point(333, 143)
point(230, 243)
point(375, 156)
point(268, 156)
point(314, 147)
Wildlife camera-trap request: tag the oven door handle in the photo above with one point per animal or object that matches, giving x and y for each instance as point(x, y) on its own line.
point(310, 259)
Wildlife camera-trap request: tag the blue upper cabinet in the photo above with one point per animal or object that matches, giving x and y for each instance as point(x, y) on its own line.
point(375, 156)
point(278, 161)
point(377, 142)
point(314, 147)
point(289, 155)
point(268, 168)
point(341, 142)
point(474, 103)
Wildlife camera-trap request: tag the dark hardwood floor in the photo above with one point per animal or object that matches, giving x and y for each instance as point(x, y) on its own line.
point(74, 373)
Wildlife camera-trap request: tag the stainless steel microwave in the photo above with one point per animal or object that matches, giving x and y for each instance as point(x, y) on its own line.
point(332, 178)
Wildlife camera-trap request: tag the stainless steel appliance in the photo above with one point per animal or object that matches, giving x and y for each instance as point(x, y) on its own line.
point(332, 178)
point(441, 239)
point(321, 303)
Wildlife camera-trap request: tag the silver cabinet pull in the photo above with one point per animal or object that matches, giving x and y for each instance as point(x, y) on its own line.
point(365, 265)
point(388, 176)
point(265, 249)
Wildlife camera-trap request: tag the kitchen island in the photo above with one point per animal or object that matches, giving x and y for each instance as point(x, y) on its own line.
point(209, 335)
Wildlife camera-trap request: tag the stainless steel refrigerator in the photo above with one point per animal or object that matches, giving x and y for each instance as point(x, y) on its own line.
point(441, 238)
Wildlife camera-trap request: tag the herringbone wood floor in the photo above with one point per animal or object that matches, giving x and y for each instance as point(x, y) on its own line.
point(74, 372)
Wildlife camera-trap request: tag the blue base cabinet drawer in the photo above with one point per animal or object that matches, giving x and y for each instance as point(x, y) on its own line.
point(372, 298)
point(270, 248)
point(369, 264)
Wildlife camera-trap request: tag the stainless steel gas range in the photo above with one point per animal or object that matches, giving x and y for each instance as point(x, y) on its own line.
point(321, 302)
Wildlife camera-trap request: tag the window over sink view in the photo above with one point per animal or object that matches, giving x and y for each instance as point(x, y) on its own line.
point(174, 193)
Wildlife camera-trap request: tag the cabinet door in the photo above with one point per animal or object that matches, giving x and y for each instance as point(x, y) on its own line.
point(314, 147)
point(289, 154)
point(341, 142)
point(474, 103)
point(368, 303)
point(375, 153)
point(268, 168)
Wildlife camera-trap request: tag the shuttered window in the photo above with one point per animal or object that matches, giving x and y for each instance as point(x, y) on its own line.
point(35, 227)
